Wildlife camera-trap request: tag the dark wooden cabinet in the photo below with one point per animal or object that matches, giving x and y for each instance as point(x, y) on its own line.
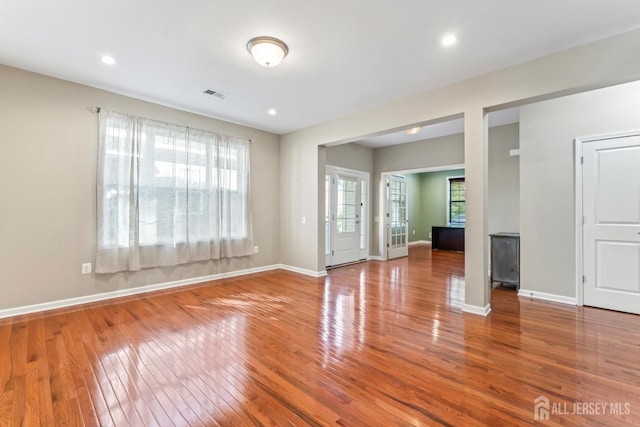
point(447, 238)
point(505, 258)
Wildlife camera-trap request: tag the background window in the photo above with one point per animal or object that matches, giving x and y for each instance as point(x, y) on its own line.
point(457, 208)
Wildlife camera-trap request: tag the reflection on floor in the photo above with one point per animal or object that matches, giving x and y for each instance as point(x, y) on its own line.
point(377, 343)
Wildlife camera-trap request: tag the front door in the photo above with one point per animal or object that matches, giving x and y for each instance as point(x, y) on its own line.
point(397, 221)
point(611, 230)
point(345, 216)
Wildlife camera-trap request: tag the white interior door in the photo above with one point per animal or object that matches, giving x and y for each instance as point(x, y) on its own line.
point(345, 216)
point(611, 230)
point(397, 221)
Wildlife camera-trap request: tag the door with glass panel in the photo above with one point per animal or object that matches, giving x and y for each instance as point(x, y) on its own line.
point(345, 217)
point(397, 221)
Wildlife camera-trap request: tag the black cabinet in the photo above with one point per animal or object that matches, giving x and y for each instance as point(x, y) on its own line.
point(447, 238)
point(505, 258)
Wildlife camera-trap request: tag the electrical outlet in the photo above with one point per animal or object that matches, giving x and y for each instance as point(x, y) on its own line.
point(86, 268)
point(256, 249)
point(429, 234)
point(414, 231)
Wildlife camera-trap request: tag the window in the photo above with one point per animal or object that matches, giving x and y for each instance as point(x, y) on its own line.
point(169, 194)
point(456, 198)
point(346, 206)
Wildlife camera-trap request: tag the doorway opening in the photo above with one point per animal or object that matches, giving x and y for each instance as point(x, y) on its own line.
point(422, 207)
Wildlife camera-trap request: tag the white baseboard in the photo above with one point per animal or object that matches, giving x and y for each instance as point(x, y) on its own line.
point(420, 242)
point(547, 297)
point(35, 308)
point(375, 258)
point(304, 271)
point(475, 309)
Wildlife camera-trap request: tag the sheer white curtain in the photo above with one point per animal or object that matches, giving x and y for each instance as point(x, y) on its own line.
point(169, 195)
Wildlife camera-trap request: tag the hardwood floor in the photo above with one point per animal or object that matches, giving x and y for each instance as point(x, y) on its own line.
point(378, 343)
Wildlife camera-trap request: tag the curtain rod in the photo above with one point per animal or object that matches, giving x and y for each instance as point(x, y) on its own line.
point(96, 110)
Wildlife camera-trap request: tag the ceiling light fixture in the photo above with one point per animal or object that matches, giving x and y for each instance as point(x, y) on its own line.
point(267, 51)
point(449, 40)
point(272, 111)
point(413, 131)
point(108, 59)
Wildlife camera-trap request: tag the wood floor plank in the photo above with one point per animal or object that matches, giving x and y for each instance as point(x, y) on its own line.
point(170, 376)
point(6, 405)
point(5, 355)
point(376, 343)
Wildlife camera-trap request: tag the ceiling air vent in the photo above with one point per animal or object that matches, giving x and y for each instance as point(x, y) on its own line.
point(218, 96)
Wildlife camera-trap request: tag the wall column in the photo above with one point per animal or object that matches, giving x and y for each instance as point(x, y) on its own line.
point(476, 154)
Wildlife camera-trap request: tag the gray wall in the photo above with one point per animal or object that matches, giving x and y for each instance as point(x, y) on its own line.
point(504, 179)
point(442, 151)
point(48, 157)
point(351, 156)
point(547, 171)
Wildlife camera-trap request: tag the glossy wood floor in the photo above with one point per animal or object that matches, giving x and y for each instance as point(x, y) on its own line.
point(372, 344)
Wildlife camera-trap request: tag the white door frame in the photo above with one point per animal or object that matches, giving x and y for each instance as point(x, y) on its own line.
point(364, 176)
point(579, 144)
point(382, 224)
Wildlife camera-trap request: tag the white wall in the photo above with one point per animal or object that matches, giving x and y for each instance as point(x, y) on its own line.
point(547, 171)
point(48, 152)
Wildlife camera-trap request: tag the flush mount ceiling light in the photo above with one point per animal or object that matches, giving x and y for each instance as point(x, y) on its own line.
point(413, 131)
point(272, 111)
point(267, 51)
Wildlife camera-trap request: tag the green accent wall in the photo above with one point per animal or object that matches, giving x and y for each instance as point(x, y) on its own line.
point(427, 199)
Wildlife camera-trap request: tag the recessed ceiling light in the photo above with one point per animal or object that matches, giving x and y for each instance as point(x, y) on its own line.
point(449, 40)
point(413, 131)
point(108, 59)
point(272, 111)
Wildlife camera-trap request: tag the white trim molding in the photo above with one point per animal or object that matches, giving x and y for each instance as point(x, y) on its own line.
point(104, 296)
point(474, 309)
point(375, 258)
point(578, 219)
point(304, 271)
point(420, 242)
point(547, 297)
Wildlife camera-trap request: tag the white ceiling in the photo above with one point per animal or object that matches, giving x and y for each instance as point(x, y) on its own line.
point(345, 56)
point(450, 127)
